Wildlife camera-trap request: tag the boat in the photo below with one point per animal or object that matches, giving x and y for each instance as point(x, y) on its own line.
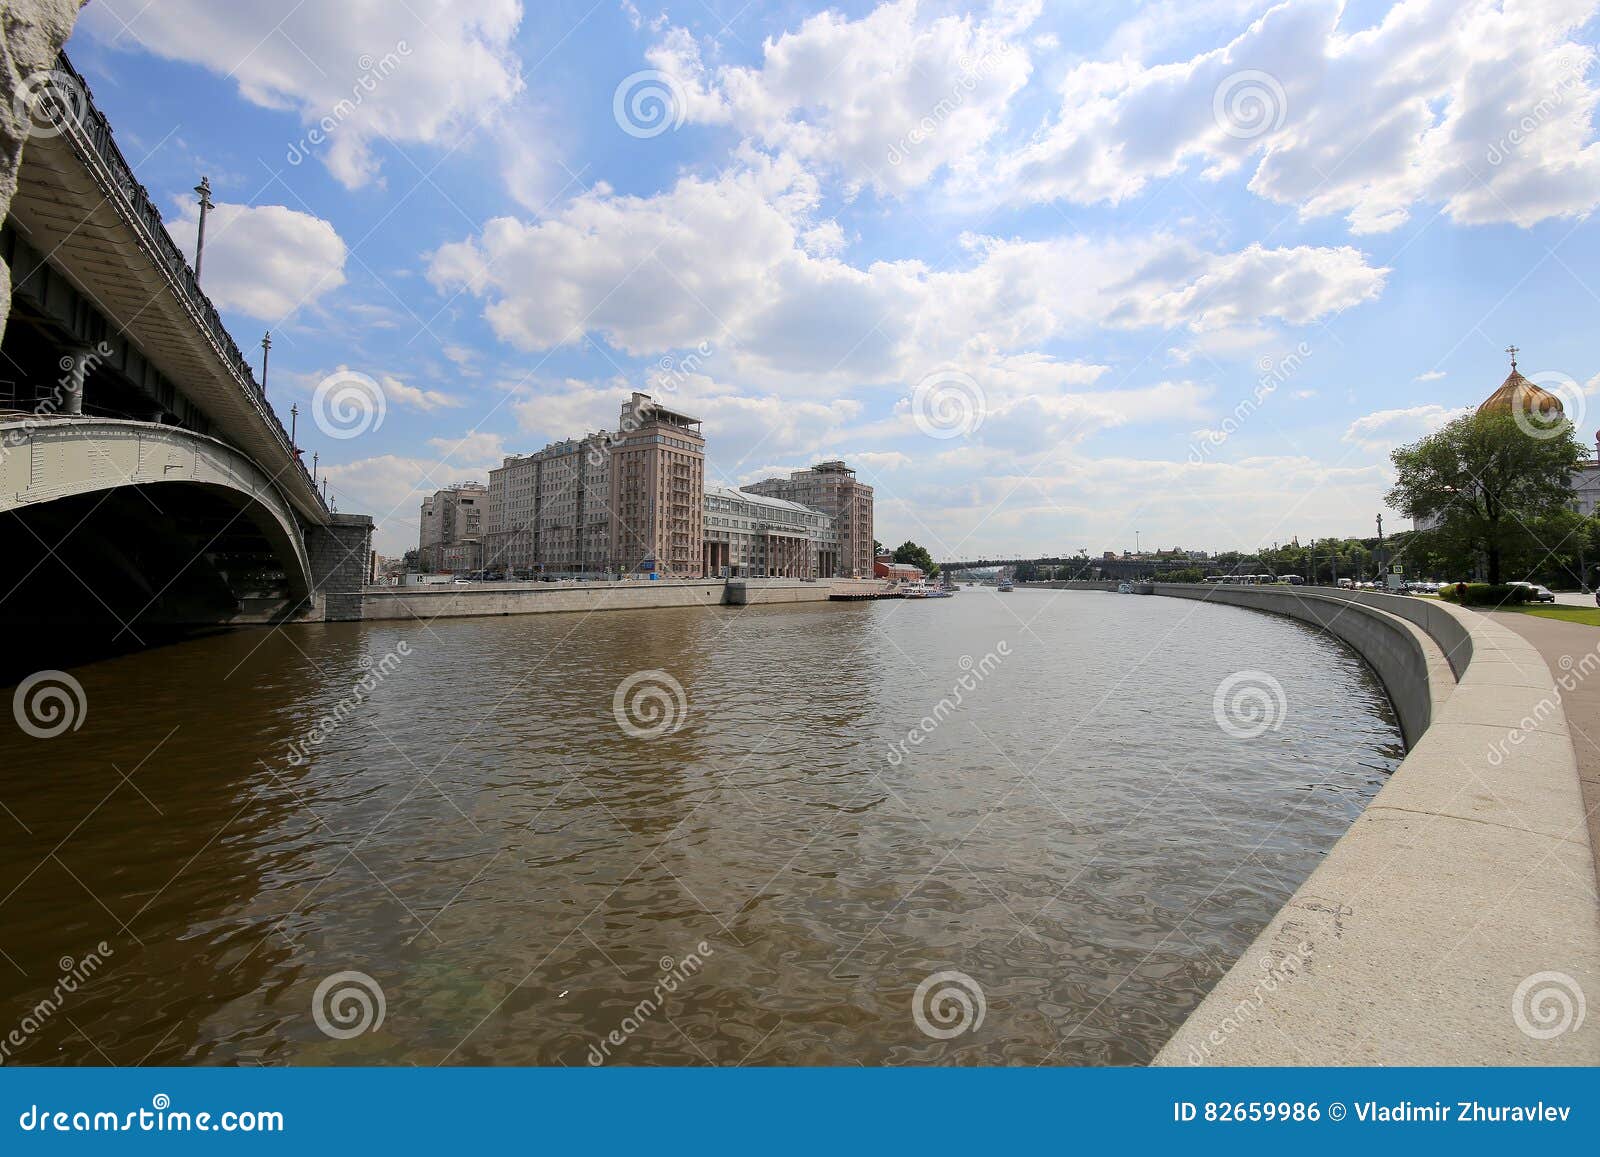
point(913, 591)
point(1005, 585)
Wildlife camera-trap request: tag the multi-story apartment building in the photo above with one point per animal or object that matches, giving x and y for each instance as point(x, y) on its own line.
point(452, 517)
point(550, 512)
point(658, 470)
point(751, 534)
point(831, 487)
point(624, 502)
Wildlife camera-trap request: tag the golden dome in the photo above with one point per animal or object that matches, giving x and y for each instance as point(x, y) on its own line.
point(1517, 395)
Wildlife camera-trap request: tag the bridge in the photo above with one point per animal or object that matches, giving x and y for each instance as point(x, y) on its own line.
point(145, 480)
point(1080, 566)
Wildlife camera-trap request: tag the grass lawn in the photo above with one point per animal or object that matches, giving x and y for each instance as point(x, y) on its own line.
point(1588, 616)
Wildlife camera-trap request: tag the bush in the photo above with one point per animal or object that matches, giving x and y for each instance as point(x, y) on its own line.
point(1486, 595)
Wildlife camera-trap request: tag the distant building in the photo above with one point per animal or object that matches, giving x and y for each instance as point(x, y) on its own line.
point(831, 487)
point(752, 534)
point(885, 567)
point(452, 517)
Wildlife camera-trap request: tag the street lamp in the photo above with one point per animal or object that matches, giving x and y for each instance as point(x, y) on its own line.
point(266, 349)
point(203, 189)
point(294, 422)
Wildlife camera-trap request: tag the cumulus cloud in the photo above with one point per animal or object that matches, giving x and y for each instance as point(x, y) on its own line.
point(638, 272)
point(262, 260)
point(1383, 430)
point(357, 71)
point(887, 100)
point(1480, 107)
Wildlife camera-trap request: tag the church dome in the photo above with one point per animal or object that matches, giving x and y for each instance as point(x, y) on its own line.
point(1517, 395)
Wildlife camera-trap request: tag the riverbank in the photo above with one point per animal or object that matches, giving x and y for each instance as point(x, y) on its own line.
point(1462, 902)
point(426, 603)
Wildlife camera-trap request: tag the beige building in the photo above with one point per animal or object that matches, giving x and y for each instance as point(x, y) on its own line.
point(754, 535)
point(549, 512)
point(831, 487)
point(625, 502)
point(658, 470)
point(452, 517)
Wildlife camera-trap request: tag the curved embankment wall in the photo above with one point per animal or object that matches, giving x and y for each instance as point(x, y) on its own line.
point(1451, 921)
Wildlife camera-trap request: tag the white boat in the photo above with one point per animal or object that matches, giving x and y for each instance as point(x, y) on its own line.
point(913, 591)
point(1005, 585)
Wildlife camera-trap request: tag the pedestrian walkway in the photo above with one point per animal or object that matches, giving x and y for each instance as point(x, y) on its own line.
point(1565, 647)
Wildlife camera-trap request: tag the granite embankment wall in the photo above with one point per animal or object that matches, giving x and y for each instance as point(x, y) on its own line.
point(450, 601)
point(1460, 908)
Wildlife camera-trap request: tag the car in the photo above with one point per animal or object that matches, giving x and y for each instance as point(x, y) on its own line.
point(1537, 593)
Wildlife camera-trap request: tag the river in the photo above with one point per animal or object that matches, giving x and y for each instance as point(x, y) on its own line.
point(483, 844)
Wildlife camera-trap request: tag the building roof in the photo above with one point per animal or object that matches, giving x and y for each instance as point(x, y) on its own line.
point(1517, 395)
point(713, 490)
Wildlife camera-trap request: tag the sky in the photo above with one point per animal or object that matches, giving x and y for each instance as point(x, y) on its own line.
point(1049, 276)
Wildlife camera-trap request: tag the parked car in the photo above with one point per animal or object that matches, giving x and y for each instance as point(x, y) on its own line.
point(1537, 593)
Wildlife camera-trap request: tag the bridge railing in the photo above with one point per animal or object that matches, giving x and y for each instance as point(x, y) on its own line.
point(90, 133)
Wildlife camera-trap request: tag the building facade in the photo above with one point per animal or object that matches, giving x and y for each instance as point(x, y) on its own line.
point(549, 512)
point(452, 518)
point(752, 535)
point(831, 487)
point(658, 471)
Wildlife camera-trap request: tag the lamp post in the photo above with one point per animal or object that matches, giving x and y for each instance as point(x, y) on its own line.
point(266, 349)
point(294, 422)
point(204, 191)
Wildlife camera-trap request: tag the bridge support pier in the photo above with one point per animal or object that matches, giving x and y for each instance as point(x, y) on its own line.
point(341, 564)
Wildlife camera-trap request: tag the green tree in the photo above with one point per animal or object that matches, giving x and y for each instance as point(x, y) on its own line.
point(1495, 485)
point(909, 551)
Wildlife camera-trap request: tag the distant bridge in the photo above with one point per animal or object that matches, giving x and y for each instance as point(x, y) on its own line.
point(1080, 567)
point(144, 478)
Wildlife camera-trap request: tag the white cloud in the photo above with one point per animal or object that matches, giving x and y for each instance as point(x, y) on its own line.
point(262, 260)
point(1430, 376)
point(1383, 430)
point(887, 100)
point(357, 71)
point(1479, 107)
point(415, 397)
point(638, 271)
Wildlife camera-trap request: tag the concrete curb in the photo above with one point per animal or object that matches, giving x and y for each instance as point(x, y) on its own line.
point(1457, 921)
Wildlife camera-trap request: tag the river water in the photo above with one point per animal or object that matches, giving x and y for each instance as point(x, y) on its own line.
point(1036, 791)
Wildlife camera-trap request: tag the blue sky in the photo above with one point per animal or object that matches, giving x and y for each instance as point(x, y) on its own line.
point(1046, 274)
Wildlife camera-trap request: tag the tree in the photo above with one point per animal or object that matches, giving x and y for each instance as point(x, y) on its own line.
point(1492, 485)
point(910, 552)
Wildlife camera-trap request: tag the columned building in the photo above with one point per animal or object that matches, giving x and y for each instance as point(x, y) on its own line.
point(751, 535)
point(831, 487)
point(452, 526)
